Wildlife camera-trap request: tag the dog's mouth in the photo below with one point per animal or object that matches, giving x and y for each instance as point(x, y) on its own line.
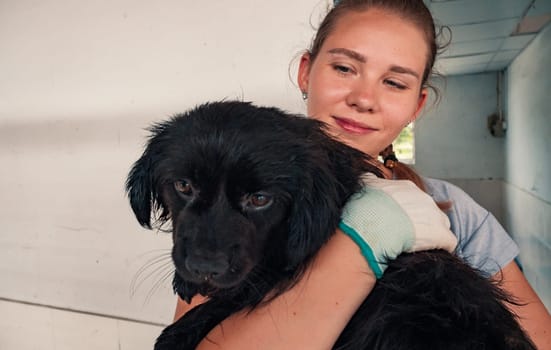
point(186, 284)
point(210, 273)
point(226, 280)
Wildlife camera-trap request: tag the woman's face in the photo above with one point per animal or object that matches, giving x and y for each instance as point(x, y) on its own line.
point(366, 80)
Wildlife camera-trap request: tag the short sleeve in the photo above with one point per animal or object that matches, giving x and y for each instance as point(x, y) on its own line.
point(483, 242)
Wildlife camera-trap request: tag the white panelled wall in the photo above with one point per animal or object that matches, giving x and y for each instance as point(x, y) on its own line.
point(80, 83)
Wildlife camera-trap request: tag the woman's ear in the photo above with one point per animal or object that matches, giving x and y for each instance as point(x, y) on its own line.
point(420, 103)
point(304, 72)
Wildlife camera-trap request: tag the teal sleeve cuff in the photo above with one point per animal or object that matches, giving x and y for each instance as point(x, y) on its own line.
point(364, 248)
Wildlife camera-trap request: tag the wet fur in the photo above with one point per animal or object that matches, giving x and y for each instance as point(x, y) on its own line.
point(238, 253)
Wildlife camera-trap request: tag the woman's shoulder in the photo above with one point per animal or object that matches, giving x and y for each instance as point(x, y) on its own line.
point(465, 214)
point(462, 205)
point(443, 191)
point(483, 241)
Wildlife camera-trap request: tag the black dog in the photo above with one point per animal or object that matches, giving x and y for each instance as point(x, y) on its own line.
point(253, 193)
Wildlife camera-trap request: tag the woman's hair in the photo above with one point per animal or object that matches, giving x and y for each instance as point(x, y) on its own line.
point(403, 172)
point(416, 13)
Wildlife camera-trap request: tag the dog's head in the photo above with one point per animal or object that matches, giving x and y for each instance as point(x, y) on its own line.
point(244, 187)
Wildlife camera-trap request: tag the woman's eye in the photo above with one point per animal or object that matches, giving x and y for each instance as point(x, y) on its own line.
point(183, 187)
point(259, 200)
point(395, 84)
point(342, 69)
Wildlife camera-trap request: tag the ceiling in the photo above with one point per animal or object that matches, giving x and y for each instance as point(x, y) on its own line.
point(487, 34)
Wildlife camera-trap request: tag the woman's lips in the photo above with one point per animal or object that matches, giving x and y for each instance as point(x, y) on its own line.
point(353, 126)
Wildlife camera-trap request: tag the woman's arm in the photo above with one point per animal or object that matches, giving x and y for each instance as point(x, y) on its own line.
point(388, 218)
point(311, 315)
point(532, 315)
point(182, 307)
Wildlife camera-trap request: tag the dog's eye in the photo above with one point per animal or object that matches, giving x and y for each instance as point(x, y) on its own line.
point(259, 200)
point(183, 187)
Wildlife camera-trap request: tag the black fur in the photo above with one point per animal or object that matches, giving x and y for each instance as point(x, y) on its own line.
point(253, 193)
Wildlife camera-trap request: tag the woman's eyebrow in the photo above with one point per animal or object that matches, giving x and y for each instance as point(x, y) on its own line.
point(404, 70)
point(347, 52)
point(361, 58)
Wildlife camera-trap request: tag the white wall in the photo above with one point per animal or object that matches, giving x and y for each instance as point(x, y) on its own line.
point(528, 163)
point(510, 175)
point(77, 59)
point(80, 80)
point(452, 141)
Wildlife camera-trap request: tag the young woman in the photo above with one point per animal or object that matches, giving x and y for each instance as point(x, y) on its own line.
point(366, 76)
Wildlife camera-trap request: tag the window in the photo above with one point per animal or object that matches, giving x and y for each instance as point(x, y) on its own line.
point(403, 146)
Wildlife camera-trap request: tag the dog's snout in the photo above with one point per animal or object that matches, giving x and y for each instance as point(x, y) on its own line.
point(206, 268)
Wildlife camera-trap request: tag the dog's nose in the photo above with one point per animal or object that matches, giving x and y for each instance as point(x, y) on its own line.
point(206, 268)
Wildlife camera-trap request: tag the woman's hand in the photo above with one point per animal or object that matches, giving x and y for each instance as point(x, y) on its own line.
point(390, 217)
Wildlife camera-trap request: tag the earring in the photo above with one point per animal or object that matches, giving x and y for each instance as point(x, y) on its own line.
point(304, 96)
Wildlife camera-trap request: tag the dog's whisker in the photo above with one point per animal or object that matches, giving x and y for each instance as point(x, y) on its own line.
point(155, 259)
point(149, 269)
point(160, 259)
point(140, 280)
point(161, 281)
point(155, 272)
point(155, 251)
point(152, 262)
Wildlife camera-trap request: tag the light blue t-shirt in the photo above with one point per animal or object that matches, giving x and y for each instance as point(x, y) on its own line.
point(483, 242)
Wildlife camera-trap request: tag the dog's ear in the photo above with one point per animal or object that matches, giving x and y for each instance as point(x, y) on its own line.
point(314, 217)
point(316, 209)
point(330, 181)
point(142, 182)
point(140, 189)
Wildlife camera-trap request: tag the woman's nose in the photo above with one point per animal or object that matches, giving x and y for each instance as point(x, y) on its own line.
point(363, 96)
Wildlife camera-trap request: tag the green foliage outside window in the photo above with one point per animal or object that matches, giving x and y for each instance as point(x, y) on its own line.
point(403, 145)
